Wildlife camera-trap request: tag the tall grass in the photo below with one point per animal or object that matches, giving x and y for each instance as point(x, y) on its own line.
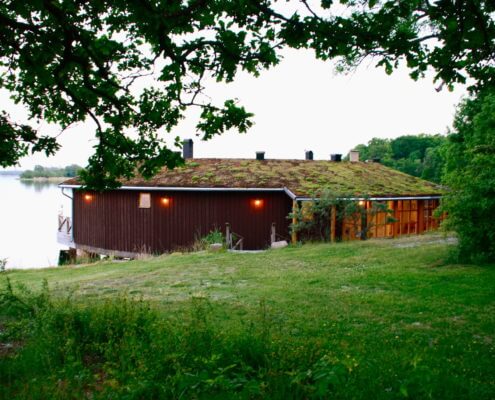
point(123, 348)
point(354, 321)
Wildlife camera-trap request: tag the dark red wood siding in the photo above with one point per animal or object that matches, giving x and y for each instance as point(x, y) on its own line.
point(114, 221)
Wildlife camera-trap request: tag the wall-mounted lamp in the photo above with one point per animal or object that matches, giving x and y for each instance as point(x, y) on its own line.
point(361, 203)
point(257, 203)
point(88, 198)
point(165, 201)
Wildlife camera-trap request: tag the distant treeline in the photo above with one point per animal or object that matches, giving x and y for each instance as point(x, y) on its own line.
point(417, 155)
point(51, 172)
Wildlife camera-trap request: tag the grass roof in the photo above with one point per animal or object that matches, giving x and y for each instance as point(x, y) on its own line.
point(302, 177)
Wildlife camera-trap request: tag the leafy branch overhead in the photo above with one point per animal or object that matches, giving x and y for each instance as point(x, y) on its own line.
point(135, 67)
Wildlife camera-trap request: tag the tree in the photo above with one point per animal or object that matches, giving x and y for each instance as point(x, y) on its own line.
point(433, 163)
point(376, 148)
point(133, 67)
point(72, 170)
point(16, 140)
point(417, 155)
point(415, 145)
point(470, 176)
point(48, 172)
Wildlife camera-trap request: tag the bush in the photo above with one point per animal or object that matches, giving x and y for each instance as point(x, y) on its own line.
point(313, 218)
point(215, 236)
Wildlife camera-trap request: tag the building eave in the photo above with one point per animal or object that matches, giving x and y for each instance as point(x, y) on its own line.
point(384, 198)
point(287, 191)
point(191, 189)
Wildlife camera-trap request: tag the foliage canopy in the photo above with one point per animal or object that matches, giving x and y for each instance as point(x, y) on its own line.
point(470, 175)
point(417, 155)
point(134, 67)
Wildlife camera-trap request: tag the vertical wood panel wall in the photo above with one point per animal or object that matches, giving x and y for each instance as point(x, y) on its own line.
point(411, 217)
point(114, 221)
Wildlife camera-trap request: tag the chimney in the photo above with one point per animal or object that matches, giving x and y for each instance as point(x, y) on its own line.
point(308, 155)
point(260, 155)
point(187, 149)
point(354, 156)
point(336, 157)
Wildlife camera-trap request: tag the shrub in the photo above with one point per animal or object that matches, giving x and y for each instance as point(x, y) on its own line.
point(313, 218)
point(215, 236)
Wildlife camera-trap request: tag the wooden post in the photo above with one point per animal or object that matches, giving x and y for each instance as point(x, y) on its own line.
point(363, 226)
point(273, 233)
point(67, 256)
point(228, 236)
point(294, 221)
point(421, 217)
point(395, 214)
point(333, 223)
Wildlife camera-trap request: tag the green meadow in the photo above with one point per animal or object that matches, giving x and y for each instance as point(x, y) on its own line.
point(385, 319)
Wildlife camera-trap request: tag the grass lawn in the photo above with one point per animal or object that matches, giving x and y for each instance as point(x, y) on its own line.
point(378, 319)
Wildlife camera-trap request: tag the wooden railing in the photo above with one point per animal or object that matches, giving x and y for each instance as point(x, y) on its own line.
point(235, 241)
point(231, 237)
point(274, 236)
point(64, 224)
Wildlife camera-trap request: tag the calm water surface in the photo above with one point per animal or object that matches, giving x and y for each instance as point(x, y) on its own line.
point(28, 222)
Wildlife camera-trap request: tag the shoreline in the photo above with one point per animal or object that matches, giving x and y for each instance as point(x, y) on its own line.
point(51, 179)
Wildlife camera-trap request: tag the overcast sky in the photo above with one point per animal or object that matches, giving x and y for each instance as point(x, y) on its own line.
point(299, 105)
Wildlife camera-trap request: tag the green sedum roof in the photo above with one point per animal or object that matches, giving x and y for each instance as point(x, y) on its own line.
point(304, 178)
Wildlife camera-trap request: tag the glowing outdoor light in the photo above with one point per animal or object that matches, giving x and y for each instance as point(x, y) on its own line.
point(88, 197)
point(362, 203)
point(165, 201)
point(258, 203)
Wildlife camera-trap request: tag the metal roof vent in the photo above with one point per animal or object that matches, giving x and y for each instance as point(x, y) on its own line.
point(260, 155)
point(308, 155)
point(336, 157)
point(187, 149)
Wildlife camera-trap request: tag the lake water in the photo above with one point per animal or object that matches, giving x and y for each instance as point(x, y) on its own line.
point(28, 222)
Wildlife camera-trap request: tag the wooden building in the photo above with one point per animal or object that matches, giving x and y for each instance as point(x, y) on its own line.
point(251, 198)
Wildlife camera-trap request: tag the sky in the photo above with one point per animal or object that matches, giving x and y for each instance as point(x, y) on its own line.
point(299, 105)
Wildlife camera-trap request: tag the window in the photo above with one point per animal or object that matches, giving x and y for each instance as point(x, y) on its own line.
point(144, 200)
point(407, 214)
point(430, 222)
point(307, 215)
